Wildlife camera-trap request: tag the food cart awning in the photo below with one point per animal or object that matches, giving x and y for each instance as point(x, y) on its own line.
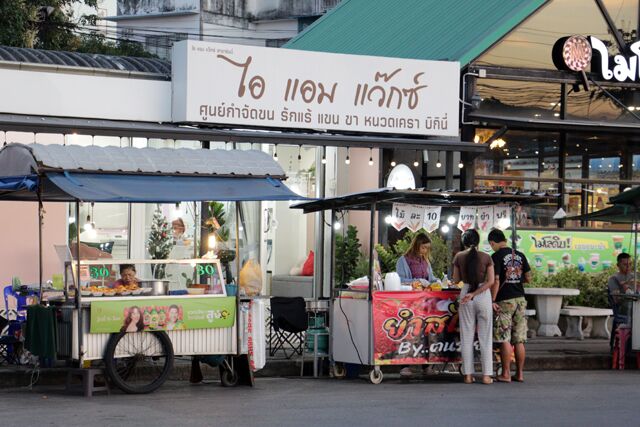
point(113, 174)
point(629, 197)
point(623, 214)
point(452, 198)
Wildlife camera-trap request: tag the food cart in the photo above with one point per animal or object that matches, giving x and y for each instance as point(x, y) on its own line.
point(375, 327)
point(99, 324)
point(625, 209)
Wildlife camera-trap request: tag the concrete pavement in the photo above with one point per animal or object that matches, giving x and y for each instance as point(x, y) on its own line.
point(560, 398)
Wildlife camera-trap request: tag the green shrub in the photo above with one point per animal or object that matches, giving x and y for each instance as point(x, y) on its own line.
point(347, 255)
point(440, 254)
point(592, 286)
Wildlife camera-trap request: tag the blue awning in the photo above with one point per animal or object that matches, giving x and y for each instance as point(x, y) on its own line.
point(168, 189)
point(17, 183)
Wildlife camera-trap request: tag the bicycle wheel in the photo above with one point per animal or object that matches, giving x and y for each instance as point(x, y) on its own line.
point(138, 362)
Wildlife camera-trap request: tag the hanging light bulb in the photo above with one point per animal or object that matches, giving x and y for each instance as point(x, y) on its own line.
point(393, 163)
point(211, 242)
point(324, 155)
point(416, 163)
point(275, 152)
point(438, 164)
point(388, 219)
point(347, 160)
point(461, 165)
point(299, 154)
point(337, 225)
point(445, 228)
point(370, 156)
point(451, 219)
point(177, 211)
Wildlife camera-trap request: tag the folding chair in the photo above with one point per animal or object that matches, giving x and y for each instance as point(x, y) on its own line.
point(288, 322)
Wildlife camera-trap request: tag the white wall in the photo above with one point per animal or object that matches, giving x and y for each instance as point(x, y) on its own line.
point(84, 96)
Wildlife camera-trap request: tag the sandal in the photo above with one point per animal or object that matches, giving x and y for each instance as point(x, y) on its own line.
point(469, 380)
point(487, 380)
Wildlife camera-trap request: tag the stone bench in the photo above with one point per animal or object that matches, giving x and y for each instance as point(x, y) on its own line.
point(593, 319)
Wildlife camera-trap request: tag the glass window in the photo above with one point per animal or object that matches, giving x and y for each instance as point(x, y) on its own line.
point(531, 43)
point(533, 100)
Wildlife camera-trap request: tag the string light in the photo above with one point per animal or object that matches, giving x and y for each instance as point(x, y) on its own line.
point(324, 155)
point(416, 163)
point(370, 156)
point(347, 160)
point(299, 154)
point(438, 164)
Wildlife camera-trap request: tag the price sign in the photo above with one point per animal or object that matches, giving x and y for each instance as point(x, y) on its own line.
point(205, 269)
point(431, 218)
point(99, 272)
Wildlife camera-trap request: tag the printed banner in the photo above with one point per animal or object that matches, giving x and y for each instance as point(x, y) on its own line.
point(501, 217)
point(416, 215)
point(550, 251)
point(162, 314)
point(467, 218)
point(431, 218)
point(416, 327)
point(399, 216)
point(485, 218)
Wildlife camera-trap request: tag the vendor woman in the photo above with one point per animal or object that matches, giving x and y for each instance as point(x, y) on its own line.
point(415, 264)
point(127, 276)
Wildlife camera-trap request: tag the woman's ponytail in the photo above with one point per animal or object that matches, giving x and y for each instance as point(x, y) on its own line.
point(471, 240)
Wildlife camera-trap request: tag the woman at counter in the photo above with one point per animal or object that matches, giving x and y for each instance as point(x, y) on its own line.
point(127, 276)
point(475, 269)
point(415, 263)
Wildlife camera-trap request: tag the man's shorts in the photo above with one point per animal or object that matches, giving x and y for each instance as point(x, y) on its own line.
point(510, 324)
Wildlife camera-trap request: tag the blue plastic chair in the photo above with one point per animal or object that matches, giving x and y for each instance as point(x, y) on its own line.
point(22, 301)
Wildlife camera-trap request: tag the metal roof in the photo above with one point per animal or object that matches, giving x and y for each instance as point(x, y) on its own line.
point(421, 196)
point(417, 29)
point(85, 60)
point(19, 159)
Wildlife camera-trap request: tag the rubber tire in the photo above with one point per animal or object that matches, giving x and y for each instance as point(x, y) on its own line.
point(110, 367)
point(228, 378)
point(339, 371)
point(375, 376)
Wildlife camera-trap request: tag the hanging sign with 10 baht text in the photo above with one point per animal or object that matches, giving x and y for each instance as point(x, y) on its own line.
point(285, 88)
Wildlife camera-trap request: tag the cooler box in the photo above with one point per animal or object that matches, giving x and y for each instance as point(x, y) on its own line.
point(292, 286)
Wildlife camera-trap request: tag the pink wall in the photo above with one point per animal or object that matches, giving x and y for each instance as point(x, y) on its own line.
point(362, 177)
point(19, 246)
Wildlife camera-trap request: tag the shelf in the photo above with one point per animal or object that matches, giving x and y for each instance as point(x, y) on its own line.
point(110, 261)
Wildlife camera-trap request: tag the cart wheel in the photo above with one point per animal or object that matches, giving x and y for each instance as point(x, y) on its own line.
point(339, 371)
point(375, 376)
point(138, 362)
point(229, 378)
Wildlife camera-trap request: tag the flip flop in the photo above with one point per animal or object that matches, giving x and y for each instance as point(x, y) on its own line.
point(473, 380)
point(503, 380)
point(517, 380)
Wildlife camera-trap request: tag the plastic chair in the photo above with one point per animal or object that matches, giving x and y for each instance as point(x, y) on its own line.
point(8, 344)
point(622, 335)
point(288, 323)
point(22, 301)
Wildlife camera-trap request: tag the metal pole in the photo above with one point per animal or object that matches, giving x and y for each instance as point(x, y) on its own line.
point(372, 275)
point(40, 220)
point(514, 228)
point(78, 292)
point(635, 251)
point(237, 280)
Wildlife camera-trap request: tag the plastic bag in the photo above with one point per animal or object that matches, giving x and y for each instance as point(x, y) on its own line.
point(251, 278)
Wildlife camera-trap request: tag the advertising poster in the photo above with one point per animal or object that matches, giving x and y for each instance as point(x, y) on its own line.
point(166, 314)
point(415, 327)
point(550, 251)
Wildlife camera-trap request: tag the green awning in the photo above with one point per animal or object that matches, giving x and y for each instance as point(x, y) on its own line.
point(416, 29)
point(629, 197)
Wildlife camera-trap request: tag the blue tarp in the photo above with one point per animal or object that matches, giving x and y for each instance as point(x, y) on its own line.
point(17, 183)
point(166, 189)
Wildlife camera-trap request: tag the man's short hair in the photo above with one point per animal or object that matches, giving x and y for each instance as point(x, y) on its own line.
point(124, 267)
point(623, 256)
point(497, 236)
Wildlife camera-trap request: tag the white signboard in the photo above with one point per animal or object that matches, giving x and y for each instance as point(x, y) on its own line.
point(431, 218)
point(283, 88)
point(467, 218)
point(145, 7)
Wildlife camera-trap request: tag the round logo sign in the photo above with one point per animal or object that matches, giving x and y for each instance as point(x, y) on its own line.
point(576, 53)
